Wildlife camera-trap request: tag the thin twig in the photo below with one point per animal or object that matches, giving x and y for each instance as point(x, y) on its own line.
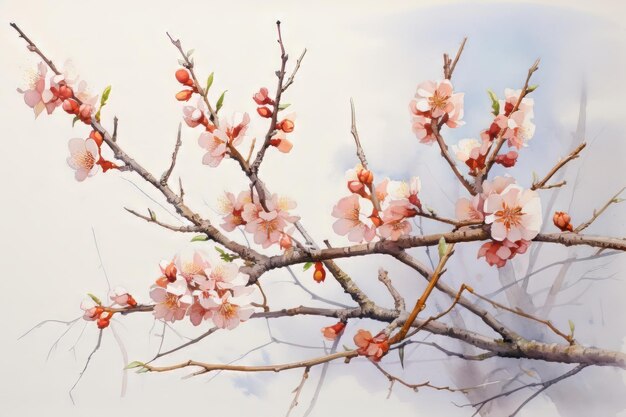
point(166, 174)
point(152, 219)
point(597, 213)
point(573, 155)
point(298, 390)
point(383, 276)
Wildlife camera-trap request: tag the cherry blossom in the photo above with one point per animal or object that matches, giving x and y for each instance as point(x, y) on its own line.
point(497, 253)
point(228, 311)
point(232, 208)
point(172, 301)
point(508, 159)
point(195, 115)
point(91, 308)
point(470, 209)
point(262, 97)
point(121, 297)
point(409, 191)
point(84, 155)
point(268, 226)
point(348, 211)
point(281, 142)
point(372, 347)
point(434, 97)
point(218, 140)
point(189, 267)
point(36, 96)
point(514, 214)
point(197, 313)
point(422, 128)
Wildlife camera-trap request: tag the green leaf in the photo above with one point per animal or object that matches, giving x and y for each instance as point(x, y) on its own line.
point(200, 238)
point(143, 370)
point(532, 88)
point(283, 106)
point(495, 104)
point(95, 299)
point(401, 354)
point(76, 118)
point(209, 83)
point(152, 215)
point(134, 364)
point(442, 247)
point(572, 327)
point(225, 256)
point(307, 266)
point(220, 102)
point(220, 250)
point(105, 96)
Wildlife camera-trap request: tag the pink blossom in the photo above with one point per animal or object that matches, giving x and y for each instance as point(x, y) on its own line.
point(422, 129)
point(511, 99)
point(121, 297)
point(36, 96)
point(497, 253)
point(194, 115)
point(470, 209)
point(197, 313)
point(280, 142)
point(393, 229)
point(84, 155)
point(436, 97)
point(227, 314)
point(172, 301)
point(518, 128)
point(191, 267)
point(262, 97)
point(372, 347)
point(508, 159)
point(91, 308)
point(514, 214)
point(454, 117)
point(232, 208)
point(217, 141)
point(348, 211)
point(496, 186)
point(267, 227)
point(331, 332)
point(409, 191)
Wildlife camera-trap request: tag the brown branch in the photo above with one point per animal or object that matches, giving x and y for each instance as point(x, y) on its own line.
point(448, 65)
point(152, 219)
point(360, 153)
point(500, 139)
point(298, 390)
point(166, 174)
point(421, 302)
point(479, 357)
point(208, 367)
point(295, 71)
point(573, 155)
point(446, 155)
point(398, 300)
point(596, 214)
point(190, 67)
point(416, 387)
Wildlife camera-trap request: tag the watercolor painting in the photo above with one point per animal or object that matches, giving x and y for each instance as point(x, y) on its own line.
point(359, 208)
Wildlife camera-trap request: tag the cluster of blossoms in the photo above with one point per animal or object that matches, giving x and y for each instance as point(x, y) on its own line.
point(95, 311)
point(358, 216)
point(195, 287)
point(286, 125)
point(515, 127)
point(513, 213)
point(66, 91)
point(267, 227)
point(220, 140)
point(374, 347)
point(435, 103)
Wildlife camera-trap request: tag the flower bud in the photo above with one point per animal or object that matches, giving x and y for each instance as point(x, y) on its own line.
point(70, 106)
point(286, 126)
point(170, 272)
point(365, 176)
point(182, 75)
point(508, 159)
point(97, 137)
point(261, 98)
point(103, 323)
point(320, 274)
point(285, 242)
point(264, 111)
point(64, 92)
point(331, 332)
point(562, 220)
point(184, 95)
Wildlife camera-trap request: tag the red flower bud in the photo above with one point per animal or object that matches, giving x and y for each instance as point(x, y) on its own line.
point(131, 301)
point(182, 75)
point(320, 274)
point(261, 98)
point(264, 111)
point(103, 323)
point(97, 137)
point(286, 126)
point(562, 220)
point(170, 272)
point(508, 159)
point(365, 176)
point(184, 95)
point(70, 106)
point(331, 332)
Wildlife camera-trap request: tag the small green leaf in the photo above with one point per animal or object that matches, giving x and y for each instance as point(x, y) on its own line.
point(220, 102)
point(105, 96)
point(307, 266)
point(401, 354)
point(95, 299)
point(220, 250)
point(495, 104)
point(152, 215)
point(134, 364)
point(283, 106)
point(442, 247)
point(143, 370)
point(200, 238)
point(572, 327)
point(532, 88)
point(76, 118)
point(209, 83)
